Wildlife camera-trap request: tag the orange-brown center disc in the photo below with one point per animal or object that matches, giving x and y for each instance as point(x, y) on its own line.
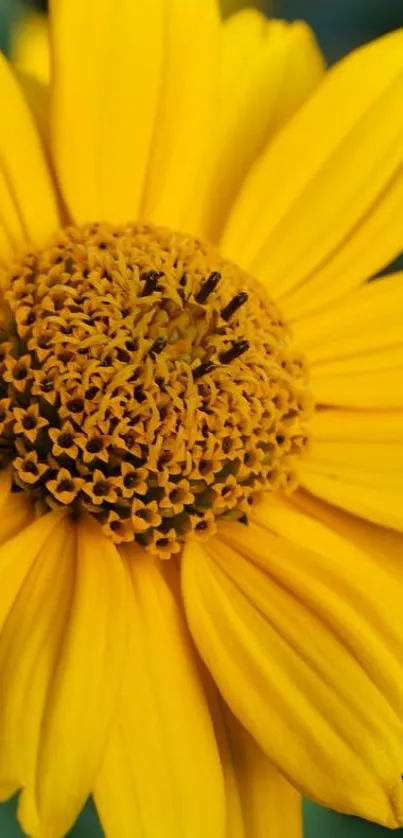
point(147, 380)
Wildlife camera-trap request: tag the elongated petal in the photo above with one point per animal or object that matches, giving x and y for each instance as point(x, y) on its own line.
point(270, 805)
point(28, 208)
point(83, 689)
point(105, 98)
point(161, 774)
point(234, 820)
point(29, 643)
point(17, 556)
point(12, 234)
point(37, 97)
point(307, 656)
point(5, 485)
point(269, 69)
point(133, 105)
point(313, 524)
point(384, 545)
point(355, 349)
point(356, 461)
point(30, 46)
point(16, 513)
point(335, 185)
point(260, 803)
point(185, 124)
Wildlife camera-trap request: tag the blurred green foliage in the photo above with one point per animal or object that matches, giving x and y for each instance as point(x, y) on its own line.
point(342, 25)
point(319, 823)
point(8, 11)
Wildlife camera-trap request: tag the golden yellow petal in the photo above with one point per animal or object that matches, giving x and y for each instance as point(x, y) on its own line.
point(270, 805)
point(16, 513)
point(29, 645)
point(335, 174)
point(29, 48)
point(30, 56)
point(28, 209)
point(136, 104)
point(17, 556)
point(12, 234)
point(185, 124)
point(83, 688)
point(36, 94)
point(355, 461)
point(161, 774)
point(355, 348)
point(307, 656)
point(368, 248)
point(260, 803)
point(5, 485)
point(234, 820)
point(269, 69)
point(106, 92)
point(383, 544)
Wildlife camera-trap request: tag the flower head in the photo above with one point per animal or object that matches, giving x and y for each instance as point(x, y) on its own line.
point(145, 337)
point(200, 426)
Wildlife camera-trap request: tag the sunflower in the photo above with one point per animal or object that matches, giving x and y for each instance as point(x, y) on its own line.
point(200, 426)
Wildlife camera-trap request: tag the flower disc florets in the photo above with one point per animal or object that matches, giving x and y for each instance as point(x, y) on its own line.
point(147, 380)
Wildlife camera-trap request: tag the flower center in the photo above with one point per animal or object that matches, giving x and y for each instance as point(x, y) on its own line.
point(147, 380)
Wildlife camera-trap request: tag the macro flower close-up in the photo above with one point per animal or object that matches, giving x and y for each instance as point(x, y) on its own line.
point(201, 424)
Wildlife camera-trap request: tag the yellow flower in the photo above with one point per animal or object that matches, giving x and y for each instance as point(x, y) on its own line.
point(201, 575)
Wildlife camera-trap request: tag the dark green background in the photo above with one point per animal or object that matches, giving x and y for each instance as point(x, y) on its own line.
point(319, 823)
point(340, 26)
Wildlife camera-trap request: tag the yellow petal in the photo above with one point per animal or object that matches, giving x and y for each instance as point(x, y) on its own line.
point(356, 461)
point(161, 774)
point(260, 803)
point(366, 501)
point(234, 821)
point(307, 656)
point(270, 805)
point(30, 46)
point(355, 348)
point(130, 126)
point(29, 644)
point(16, 513)
point(185, 125)
point(229, 7)
point(17, 556)
point(5, 485)
point(12, 234)
point(28, 209)
point(83, 689)
point(383, 544)
point(320, 211)
point(37, 96)
point(310, 522)
point(105, 98)
point(5, 246)
point(269, 69)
